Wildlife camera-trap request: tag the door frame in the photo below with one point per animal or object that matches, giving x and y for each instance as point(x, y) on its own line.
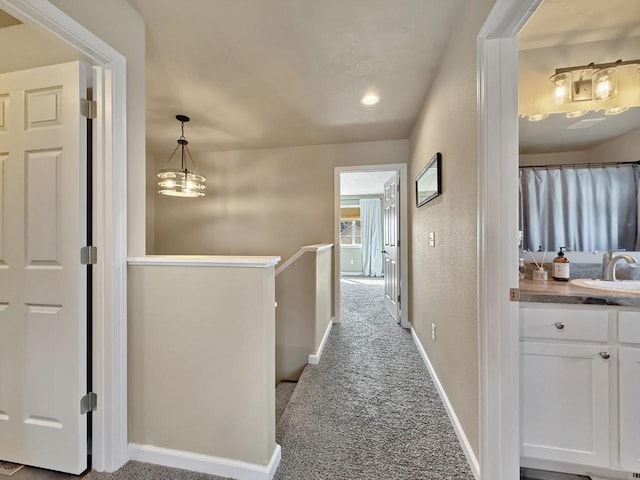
point(401, 168)
point(109, 439)
point(498, 317)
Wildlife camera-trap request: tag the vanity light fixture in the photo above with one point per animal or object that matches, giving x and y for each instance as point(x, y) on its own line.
point(370, 99)
point(596, 82)
point(181, 182)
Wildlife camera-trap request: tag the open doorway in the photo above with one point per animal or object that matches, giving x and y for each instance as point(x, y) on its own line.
point(370, 220)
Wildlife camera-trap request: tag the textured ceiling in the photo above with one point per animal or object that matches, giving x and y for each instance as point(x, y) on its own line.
point(565, 22)
point(564, 33)
point(363, 183)
point(254, 73)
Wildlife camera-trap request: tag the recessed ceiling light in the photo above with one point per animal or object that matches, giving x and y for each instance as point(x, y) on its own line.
point(370, 99)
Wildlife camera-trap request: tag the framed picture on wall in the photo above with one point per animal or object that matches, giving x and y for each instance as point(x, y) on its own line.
point(429, 181)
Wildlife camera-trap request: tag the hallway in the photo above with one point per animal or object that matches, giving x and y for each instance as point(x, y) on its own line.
point(369, 409)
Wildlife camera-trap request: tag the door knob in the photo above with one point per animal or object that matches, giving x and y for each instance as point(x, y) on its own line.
point(559, 325)
point(605, 355)
point(384, 251)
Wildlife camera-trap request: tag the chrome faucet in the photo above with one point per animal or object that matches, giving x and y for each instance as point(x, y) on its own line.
point(609, 263)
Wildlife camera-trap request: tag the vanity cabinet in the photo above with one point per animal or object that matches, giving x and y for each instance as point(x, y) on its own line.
point(566, 380)
point(629, 375)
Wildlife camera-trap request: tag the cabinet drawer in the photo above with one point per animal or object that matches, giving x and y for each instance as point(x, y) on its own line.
point(565, 323)
point(629, 327)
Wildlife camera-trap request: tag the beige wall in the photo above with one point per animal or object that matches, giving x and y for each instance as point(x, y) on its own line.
point(264, 202)
point(304, 296)
point(625, 148)
point(201, 364)
point(556, 158)
point(36, 48)
point(351, 259)
point(443, 279)
point(118, 24)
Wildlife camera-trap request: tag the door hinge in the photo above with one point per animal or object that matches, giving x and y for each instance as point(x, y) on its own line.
point(514, 294)
point(88, 403)
point(398, 299)
point(88, 108)
point(89, 255)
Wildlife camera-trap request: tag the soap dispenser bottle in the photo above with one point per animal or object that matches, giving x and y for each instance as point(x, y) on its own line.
point(560, 270)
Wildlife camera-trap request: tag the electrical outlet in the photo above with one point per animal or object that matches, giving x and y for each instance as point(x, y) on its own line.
point(433, 332)
point(432, 239)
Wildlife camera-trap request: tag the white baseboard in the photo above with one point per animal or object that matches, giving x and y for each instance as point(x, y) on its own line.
point(223, 467)
point(457, 427)
point(314, 358)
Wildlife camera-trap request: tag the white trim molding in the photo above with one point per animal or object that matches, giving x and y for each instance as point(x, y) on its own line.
point(497, 251)
point(109, 440)
point(401, 168)
point(197, 462)
point(472, 460)
point(314, 358)
point(320, 247)
point(204, 261)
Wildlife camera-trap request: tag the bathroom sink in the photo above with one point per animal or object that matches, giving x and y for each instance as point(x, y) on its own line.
point(622, 286)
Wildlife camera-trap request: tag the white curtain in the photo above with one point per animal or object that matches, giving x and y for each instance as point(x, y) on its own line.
point(586, 208)
point(371, 230)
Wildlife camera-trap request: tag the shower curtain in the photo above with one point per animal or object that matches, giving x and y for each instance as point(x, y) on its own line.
point(583, 208)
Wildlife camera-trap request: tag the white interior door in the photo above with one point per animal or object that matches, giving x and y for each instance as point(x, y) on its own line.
point(392, 246)
point(42, 283)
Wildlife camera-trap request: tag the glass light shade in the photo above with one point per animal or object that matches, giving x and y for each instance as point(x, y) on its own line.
point(560, 88)
point(536, 117)
point(615, 110)
point(577, 113)
point(181, 183)
point(605, 84)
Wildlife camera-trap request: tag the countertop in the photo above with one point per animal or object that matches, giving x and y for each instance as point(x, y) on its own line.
point(552, 291)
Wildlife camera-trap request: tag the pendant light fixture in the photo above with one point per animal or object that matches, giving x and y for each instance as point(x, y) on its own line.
point(181, 182)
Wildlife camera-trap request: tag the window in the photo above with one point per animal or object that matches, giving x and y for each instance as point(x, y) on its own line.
point(350, 233)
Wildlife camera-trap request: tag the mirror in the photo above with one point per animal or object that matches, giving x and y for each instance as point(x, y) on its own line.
point(598, 213)
point(429, 181)
point(579, 186)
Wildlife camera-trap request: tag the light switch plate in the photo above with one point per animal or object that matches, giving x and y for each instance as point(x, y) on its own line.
point(432, 239)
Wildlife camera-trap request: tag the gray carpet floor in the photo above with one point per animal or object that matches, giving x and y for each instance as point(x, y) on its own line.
point(369, 410)
point(147, 471)
point(284, 391)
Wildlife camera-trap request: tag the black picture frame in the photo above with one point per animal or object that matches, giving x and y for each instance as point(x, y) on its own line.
point(429, 181)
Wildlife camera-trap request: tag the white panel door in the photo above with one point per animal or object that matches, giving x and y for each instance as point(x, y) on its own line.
point(42, 284)
point(630, 409)
point(565, 402)
point(392, 246)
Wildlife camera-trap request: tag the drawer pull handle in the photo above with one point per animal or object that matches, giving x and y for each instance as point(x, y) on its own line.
point(605, 355)
point(559, 325)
